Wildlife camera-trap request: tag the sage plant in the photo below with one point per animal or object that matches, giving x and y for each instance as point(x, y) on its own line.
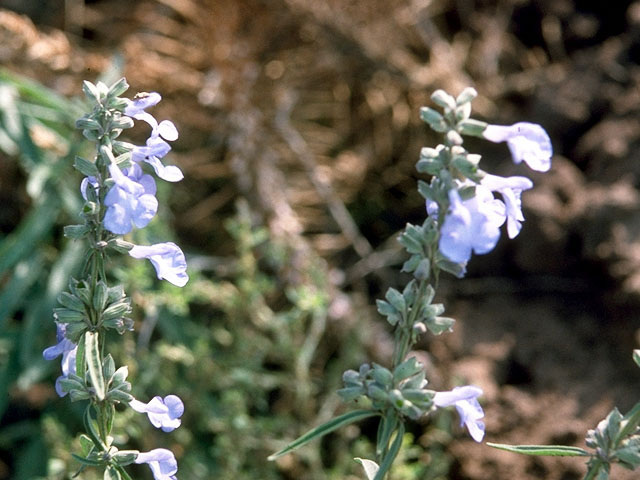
point(466, 208)
point(118, 197)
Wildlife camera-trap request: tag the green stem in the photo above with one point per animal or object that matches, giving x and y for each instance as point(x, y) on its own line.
point(403, 342)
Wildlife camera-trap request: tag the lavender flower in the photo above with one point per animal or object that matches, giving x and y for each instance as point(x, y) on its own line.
point(67, 349)
point(163, 413)
point(167, 259)
point(162, 463)
point(471, 225)
point(84, 185)
point(527, 141)
point(465, 399)
point(156, 147)
point(131, 200)
point(510, 188)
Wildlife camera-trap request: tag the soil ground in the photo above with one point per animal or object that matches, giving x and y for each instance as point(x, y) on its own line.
point(278, 100)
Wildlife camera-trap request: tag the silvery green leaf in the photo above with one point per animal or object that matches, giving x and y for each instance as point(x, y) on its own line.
point(120, 246)
point(86, 445)
point(385, 308)
point(125, 457)
point(68, 385)
point(382, 375)
point(66, 315)
point(76, 232)
point(395, 298)
point(118, 88)
point(370, 467)
point(91, 91)
point(100, 296)
point(376, 393)
point(119, 376)
point(629, 423)
point(434, 119)
point(111, 473)
point(440, 325)
point(433, 310)
point(429, 115)
point(466, 96)
point(115, 294)
point(629, 451)
point(454, 138)
point(431, 166)
point(122, 122)
point(351, 378)
point(117, 310)
point(75, 330)
point(542, 450)
point(463, 112)
point(416, 381)
point(391, 454)
point(613, 421)
point(409, 292)
point(118, 104)
point(119, 396)
point(425, 190)
point(92, 356)
point(348, 394)
point(77, 395)
point(423, 270)
point(70, 301)
point(325, 428)
point(422, 398)
point(472, 127)
point(636, 357)
point(456, 269)
point(91, 135)
point(406, 369)
point(410, 243)
point(90, 462)
point(109, 367)
point(412, 263)
point(443, 99)
point(88, 123)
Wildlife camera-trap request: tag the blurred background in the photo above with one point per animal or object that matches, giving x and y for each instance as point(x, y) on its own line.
point(299, 133)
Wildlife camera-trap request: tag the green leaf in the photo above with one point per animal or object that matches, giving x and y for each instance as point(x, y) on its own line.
point(370, 467)
point(542, 450)
point(85, 167)
point(92, 430)
point(111, 473)
point(391, 455)
point(636, 357)
point(323, 429)
point(87, 461)
point(395, 298)
point(94, 364)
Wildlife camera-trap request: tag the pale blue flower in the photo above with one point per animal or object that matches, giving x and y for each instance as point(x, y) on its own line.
point(161, 461)
point(471, 226)
point(86, 182)
point(167, 259)
point(152, 152)
point(465, 399)
point(511, 189)
point(68, 350)
point(156, 147)
point(163, 413)
point(527, 141)
point(131, 200)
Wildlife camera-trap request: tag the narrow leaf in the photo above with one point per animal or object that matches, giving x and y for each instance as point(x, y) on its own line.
point(87, 461)
point(323, 429)
point(542, 450)
point(92, 355)
point(391, 455)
